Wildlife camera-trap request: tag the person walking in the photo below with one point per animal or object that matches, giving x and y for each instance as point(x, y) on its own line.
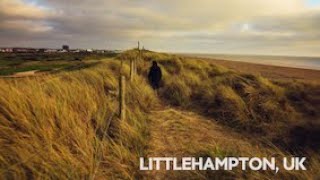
point(155, 75)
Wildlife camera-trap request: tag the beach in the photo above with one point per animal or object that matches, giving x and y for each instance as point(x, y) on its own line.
point(269, 71)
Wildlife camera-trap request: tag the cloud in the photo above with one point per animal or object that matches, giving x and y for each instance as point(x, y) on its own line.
point(18, 18)
point(231, 26)
point(21, 9)
point(24, 26)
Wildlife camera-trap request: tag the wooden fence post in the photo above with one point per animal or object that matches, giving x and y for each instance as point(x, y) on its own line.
point(132, 73)
point(121, 65)
point(122, 93)
point(135, 67)
point(137, 59)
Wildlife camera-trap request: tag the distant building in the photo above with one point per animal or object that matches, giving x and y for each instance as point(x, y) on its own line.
point(62, 51)
point(51, 50)
point(100, 51)
point(24, 50)
point(75, 50)
point(8, 50)
point(117, 51)
point(65, 47)
point(41, 50)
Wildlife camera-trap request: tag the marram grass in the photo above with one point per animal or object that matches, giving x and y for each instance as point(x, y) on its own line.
point(54, 127)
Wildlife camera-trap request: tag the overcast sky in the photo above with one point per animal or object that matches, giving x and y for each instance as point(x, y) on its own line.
point(285, 27)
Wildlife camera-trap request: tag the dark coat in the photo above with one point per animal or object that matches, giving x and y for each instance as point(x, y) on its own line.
point(154, 76)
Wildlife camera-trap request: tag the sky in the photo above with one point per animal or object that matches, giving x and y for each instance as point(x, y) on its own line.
point(273, 27)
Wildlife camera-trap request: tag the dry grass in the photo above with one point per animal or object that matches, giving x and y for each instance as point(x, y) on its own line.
point(249, 103)
point(54, 127)
point(57, 128)
point(283, 114)
point(176, 133)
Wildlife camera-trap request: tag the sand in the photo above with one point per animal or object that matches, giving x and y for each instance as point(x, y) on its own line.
point(271, 72)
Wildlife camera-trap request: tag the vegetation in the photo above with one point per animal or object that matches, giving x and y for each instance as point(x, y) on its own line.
point(11, 63)
point(245, 102)
point(55, 127)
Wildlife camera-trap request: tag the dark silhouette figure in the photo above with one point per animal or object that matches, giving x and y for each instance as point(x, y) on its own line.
point(154, 75)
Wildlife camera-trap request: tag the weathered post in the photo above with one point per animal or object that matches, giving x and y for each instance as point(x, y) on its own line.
point(122, 93)
point(137, 59)
point(135, 66)
point(132, 71)
point(121, 65)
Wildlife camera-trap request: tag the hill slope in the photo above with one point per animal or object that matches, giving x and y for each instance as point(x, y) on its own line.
point(55, 126)
point(177, 133)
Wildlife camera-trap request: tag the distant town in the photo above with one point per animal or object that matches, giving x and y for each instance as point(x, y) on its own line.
point(64, 49)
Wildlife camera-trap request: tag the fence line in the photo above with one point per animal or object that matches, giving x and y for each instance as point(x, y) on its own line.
point(122, 82)
point(122, 108)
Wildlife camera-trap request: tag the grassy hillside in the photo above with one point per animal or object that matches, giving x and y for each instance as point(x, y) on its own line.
point(247, 103)
point(55, 127)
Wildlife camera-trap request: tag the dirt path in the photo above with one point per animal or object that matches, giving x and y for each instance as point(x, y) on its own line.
point(176, 133)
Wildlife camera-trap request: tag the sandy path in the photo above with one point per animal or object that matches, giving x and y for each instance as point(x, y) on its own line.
point(176, 133)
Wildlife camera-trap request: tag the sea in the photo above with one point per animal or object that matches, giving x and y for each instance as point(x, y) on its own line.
point(283, 61)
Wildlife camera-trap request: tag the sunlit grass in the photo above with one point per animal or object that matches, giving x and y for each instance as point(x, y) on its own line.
point(55, 127)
